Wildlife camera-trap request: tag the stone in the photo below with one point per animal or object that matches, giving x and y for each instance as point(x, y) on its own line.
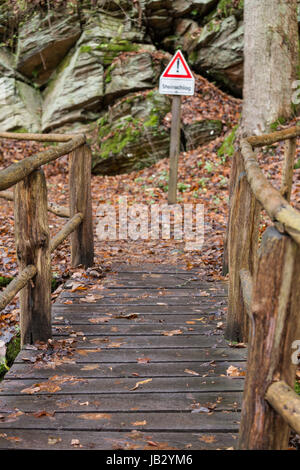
point(197, 8)
point(75, 91)
point(43, 42)
point(20, 106)
point(131, 134)
point(200, 132)
point(133, 72)
point(183, 38)
point(218, 51)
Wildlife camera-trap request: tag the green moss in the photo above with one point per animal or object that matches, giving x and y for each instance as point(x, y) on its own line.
point(115, 144)
point(274, 125)
point(297, 387)
point(227, 8)
point(4, 281)
point(193, 57)
point(227, 148)
point(153, 121)
point(20, 130)
point(85, 49)
point(13, 349)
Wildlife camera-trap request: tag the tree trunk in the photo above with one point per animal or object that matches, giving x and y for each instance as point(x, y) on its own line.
point(271, 55)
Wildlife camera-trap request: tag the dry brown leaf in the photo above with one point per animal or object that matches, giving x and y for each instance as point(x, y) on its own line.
point(172, 333)
point(90, 367)
point(53, 440)
point(94, 416)
point(141, 383)
point(39, 414)
point(192, 372)
point(143, 360)
point(139, 423)
point(209, 439)
point(99, 320)
point(233, 371)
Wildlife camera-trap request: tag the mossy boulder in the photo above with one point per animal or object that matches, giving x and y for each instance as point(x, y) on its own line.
point(131, 134)
point(20, 106)
point(43, 41)
point(200, 132)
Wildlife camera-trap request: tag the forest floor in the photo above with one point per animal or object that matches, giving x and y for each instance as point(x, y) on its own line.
point(203, 178)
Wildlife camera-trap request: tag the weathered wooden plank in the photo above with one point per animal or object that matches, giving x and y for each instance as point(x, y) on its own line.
point(70, 384)
point(131, 328)
point(169, 369)
point(156, 355)
point(120, 421)
point(151, 342)
point(91, 440)
point(103, 403)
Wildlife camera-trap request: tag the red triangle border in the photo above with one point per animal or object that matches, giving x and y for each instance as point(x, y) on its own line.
point(182, 60)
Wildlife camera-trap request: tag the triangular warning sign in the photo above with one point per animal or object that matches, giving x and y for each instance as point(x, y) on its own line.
point(177, 68)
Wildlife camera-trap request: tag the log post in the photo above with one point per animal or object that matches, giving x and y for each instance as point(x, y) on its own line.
point(288, 168)
point(242, 248)
point(174, 149)
point(33, 248)
point(275, 310)
point(82, 242)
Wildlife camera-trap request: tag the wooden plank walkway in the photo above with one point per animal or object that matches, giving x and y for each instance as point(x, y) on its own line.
point(142, 367)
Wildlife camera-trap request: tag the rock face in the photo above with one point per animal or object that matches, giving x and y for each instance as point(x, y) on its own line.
point(200, 132)
point(139, 71)
point(43, 42)
point(131, 135)
point(20, 106)
point(218, 51)
point(75, 91)
point(67, 68)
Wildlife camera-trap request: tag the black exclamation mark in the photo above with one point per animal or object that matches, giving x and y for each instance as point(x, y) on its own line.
point(178, 63)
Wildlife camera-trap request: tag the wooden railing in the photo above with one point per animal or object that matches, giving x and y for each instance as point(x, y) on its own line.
point(33, 244)
point(270, 295)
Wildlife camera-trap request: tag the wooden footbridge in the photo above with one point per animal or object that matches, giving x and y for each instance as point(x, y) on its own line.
point(144, 364)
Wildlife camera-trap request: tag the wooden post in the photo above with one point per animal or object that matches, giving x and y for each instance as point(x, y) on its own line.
point(242, 247)
point(82, 241)
point(288, 168)
point(33, 248)
point(275, 310)
point(174, 149)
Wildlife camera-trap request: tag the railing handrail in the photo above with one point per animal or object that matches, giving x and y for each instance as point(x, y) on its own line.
point(79, 223)
point(280, 396)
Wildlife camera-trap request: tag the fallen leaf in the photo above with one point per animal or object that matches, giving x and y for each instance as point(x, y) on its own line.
point(192, 372)
point(233, 371)
point(53, 440)
point(143, 360)
point(172, 333)
point(90, 367)
point(141, 383)
point(39, 414)
point(209, 439)
point(94, 416)
point(139, 423)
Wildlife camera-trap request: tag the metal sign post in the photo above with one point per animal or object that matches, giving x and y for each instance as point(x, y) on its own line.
point(177, 80)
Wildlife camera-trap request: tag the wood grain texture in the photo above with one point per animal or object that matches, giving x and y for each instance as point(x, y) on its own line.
point(275, 327)
point(125, 383)
point(82, 240)
point(33, 248)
